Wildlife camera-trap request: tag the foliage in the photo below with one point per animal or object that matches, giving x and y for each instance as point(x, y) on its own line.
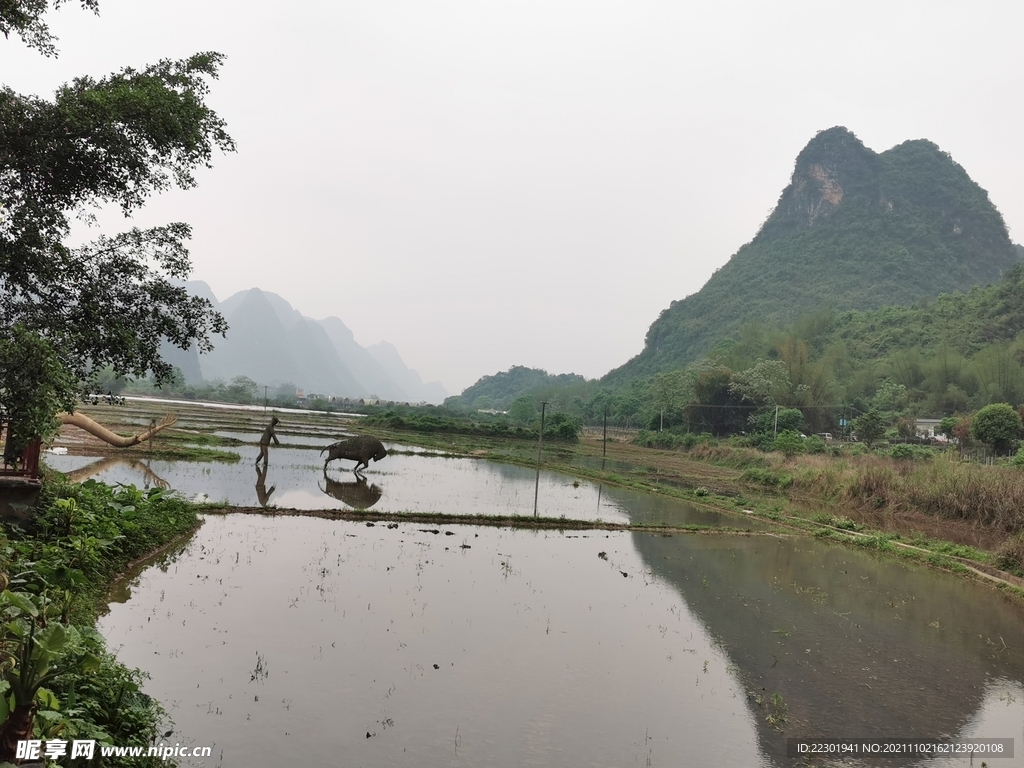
point(500, 390)
point(523, 410)
point(789, 420)
point(34, 386)
point(789, 443)
point(908, 452)
point(869, 427)
point(562, 427)
point(815, 445)
point(57, 666)
point(1010, 556)
point(25, 18)
point(241, 389)
point(1018, 458)
point(117, 140)
point(996, 425)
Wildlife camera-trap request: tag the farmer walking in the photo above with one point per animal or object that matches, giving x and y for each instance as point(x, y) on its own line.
point(268, 435)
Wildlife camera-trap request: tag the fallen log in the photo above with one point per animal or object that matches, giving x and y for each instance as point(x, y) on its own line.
point(82, 421)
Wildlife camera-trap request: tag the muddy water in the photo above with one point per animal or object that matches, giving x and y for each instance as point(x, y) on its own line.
point(310, 642)
point(399, 483)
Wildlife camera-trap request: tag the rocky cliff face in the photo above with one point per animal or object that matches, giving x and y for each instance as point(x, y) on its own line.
point(854, 229)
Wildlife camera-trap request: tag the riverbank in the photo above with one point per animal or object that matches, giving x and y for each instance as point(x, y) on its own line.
point(60, 570)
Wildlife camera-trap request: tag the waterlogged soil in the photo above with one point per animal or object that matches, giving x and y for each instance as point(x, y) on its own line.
point(302, 641)
point(415, 482)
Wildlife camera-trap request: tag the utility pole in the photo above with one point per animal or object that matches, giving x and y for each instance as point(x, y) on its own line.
point(264, 398)
point(776, 421)
point(540, 445)
point(604, 449)
point(662, 427)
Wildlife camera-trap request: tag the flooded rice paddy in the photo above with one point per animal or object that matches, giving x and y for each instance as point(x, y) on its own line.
point(304, 641)
point(405, 481)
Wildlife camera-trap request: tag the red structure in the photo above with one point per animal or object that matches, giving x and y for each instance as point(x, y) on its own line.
point(25, 464)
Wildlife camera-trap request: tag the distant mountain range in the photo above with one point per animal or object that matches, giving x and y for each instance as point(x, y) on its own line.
point(273, 344)
point(854, 229)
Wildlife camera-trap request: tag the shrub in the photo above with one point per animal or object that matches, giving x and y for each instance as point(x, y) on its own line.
point(789, 443)
point(1010, 556)
point(815, 444)
point(766, 477)
point(1018, 458)
point(906, 452)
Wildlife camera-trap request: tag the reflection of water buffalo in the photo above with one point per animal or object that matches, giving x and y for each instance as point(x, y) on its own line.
point(359, 449)
point(357, 495)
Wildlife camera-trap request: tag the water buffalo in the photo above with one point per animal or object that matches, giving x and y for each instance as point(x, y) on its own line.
point(359, 449)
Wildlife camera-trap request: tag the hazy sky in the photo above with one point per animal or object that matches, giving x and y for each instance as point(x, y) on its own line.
point(488, 184)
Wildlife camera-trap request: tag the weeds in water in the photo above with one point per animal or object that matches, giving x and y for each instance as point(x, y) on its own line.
point(778, 716)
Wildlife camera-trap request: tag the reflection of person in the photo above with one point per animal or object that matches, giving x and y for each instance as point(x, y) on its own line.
point(268, 435)
point(262, 494)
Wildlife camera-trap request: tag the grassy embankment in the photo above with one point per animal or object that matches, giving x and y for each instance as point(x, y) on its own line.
point(961, 517)
point(60, 568)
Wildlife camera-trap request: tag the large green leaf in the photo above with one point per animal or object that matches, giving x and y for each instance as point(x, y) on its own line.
point(20, 600)
point(52, 639)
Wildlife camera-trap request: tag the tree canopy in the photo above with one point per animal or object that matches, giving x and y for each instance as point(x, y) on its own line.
point(115, 140)
point(996, 425)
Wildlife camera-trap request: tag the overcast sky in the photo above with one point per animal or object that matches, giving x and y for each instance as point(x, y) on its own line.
point(488, 184)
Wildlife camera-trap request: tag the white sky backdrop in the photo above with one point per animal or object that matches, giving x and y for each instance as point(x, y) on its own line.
point(486, 184)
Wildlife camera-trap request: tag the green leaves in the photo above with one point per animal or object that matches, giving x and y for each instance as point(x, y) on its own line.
point(68, 312)
point(50, 641)
point(20, 601)
point(996, 425)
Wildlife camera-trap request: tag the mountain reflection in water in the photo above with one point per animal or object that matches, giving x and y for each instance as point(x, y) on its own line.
point(856, 645)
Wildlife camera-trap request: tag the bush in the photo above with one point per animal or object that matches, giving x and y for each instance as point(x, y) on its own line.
point(789, 443)
point(766, 477)
point(815, 444)
point(906, 452)
point(1018, 458)
point(1010, 556)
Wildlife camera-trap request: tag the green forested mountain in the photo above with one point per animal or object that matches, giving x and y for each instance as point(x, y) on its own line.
point(498, 391)
point(854, 229)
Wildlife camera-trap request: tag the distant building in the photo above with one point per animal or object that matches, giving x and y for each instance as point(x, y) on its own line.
point(928, 428)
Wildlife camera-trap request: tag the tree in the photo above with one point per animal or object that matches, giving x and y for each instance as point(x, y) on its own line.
point(241, 389)
point(869, 427)
point(947, 425)
point(118, 139)
point(523, 410)
point(789, 420)
point(996, 425)
point(33, 387)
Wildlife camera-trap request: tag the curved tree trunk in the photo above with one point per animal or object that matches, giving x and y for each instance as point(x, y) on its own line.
point(82, 421)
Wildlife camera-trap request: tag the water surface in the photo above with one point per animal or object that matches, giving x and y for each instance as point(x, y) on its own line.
point(418, 482)
point(300, 641)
